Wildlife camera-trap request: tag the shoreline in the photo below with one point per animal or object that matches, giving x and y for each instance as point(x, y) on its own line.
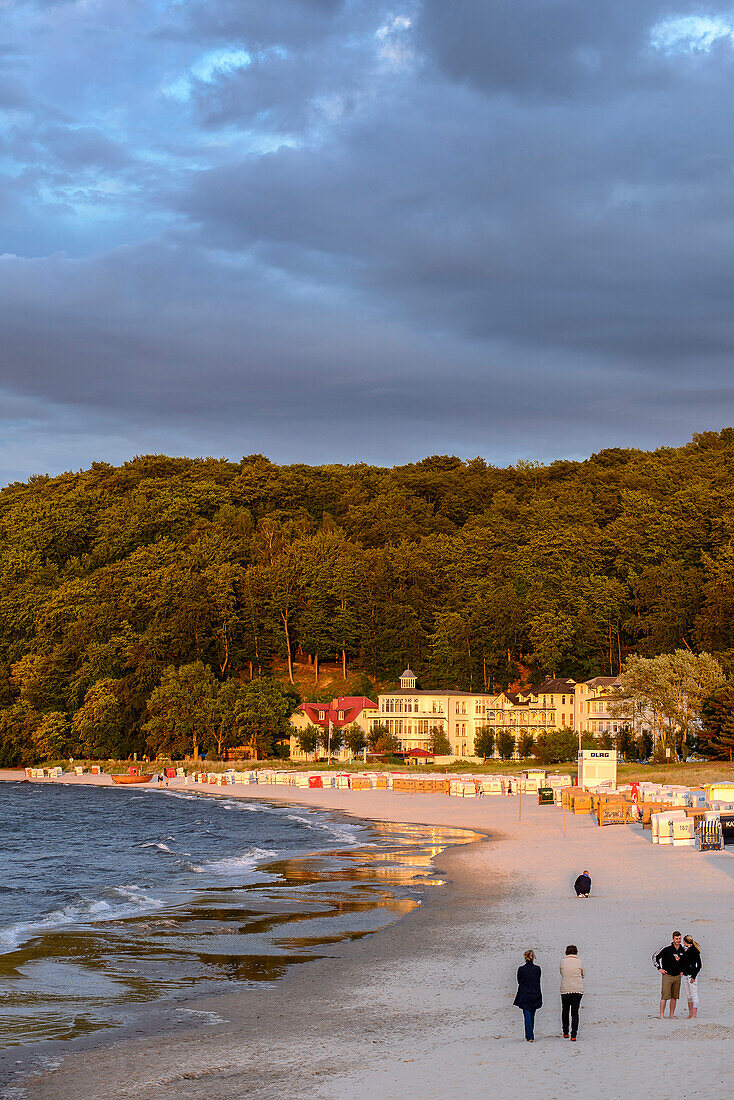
point(401, 858)
point(427, 1004)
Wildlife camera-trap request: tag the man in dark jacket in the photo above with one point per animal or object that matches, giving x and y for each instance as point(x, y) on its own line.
point(582, 885)
point(669, 962)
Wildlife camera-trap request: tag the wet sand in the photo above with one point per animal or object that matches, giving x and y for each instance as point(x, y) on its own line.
point(426, 1005)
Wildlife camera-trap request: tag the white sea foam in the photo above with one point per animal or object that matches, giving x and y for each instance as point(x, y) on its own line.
point(246, 861)
point(210, 1019)
point(344, 832)
point(156, 844)
point(192, 868)
point(124, 901)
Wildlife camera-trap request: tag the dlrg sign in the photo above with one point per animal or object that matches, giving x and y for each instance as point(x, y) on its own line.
point(597, 766)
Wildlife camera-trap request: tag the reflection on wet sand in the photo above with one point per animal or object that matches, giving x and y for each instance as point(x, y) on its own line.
point(65, 983)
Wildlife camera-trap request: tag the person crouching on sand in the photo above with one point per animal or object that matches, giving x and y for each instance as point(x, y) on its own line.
point(572, 990)
point(582, 885)
point(669, 961)
point(689, 974)
point(528, 996)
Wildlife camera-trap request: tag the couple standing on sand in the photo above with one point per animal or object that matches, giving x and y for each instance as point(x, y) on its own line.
point(679, 962)
point(529, 997)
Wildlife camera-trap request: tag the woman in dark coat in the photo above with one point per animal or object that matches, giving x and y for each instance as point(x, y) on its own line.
point(528, 996)
point(689, 974)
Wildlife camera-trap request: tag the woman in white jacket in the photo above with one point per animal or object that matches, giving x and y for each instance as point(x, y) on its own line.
point(572, 990)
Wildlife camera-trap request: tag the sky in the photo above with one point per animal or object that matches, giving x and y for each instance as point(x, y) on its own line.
point(349, 230)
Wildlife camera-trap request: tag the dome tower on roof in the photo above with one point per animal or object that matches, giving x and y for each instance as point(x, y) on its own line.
point(407, 680)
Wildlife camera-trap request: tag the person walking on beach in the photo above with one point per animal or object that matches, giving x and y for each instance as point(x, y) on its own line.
point(669, 961)
point(572, 990)
point(528, 996)
point(582, 885)
point(689, 974)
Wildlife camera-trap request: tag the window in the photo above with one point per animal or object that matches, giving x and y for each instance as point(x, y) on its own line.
point(341, 715)
point(563, 700)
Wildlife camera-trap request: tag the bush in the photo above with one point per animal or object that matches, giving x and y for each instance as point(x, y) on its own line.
point(557, 747)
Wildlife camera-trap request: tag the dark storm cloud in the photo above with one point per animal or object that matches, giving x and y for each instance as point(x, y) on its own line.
point(473, 228)
point(515, 225)
point(560, 48)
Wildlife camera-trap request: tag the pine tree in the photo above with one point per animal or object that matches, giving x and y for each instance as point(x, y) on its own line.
point(717, 734)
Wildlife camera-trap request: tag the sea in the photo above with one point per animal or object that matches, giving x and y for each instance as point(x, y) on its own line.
point(119, 904)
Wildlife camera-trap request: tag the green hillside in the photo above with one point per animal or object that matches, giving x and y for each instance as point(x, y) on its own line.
point(475, 576)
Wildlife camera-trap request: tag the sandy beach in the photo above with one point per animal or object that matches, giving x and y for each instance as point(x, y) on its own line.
point(426, 1006)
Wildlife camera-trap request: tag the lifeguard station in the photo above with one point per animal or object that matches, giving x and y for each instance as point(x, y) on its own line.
point(597, 767)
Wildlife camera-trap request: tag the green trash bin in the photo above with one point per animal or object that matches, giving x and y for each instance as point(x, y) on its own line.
point(545, 796)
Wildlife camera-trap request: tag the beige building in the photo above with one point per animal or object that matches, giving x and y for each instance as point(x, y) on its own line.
point(409, 715)
point(596, 702)
point(550, 705)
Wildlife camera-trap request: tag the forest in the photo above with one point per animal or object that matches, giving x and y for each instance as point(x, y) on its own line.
point(114, 578)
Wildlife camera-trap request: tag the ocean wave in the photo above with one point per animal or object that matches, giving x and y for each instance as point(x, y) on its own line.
point(155, 844)
point(121, 902)
point(246, 861)
point(344, 832)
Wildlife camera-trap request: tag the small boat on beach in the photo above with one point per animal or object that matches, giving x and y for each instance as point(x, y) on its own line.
point(133, 778)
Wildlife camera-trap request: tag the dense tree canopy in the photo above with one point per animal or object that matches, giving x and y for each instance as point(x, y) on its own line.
point(473, 575)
